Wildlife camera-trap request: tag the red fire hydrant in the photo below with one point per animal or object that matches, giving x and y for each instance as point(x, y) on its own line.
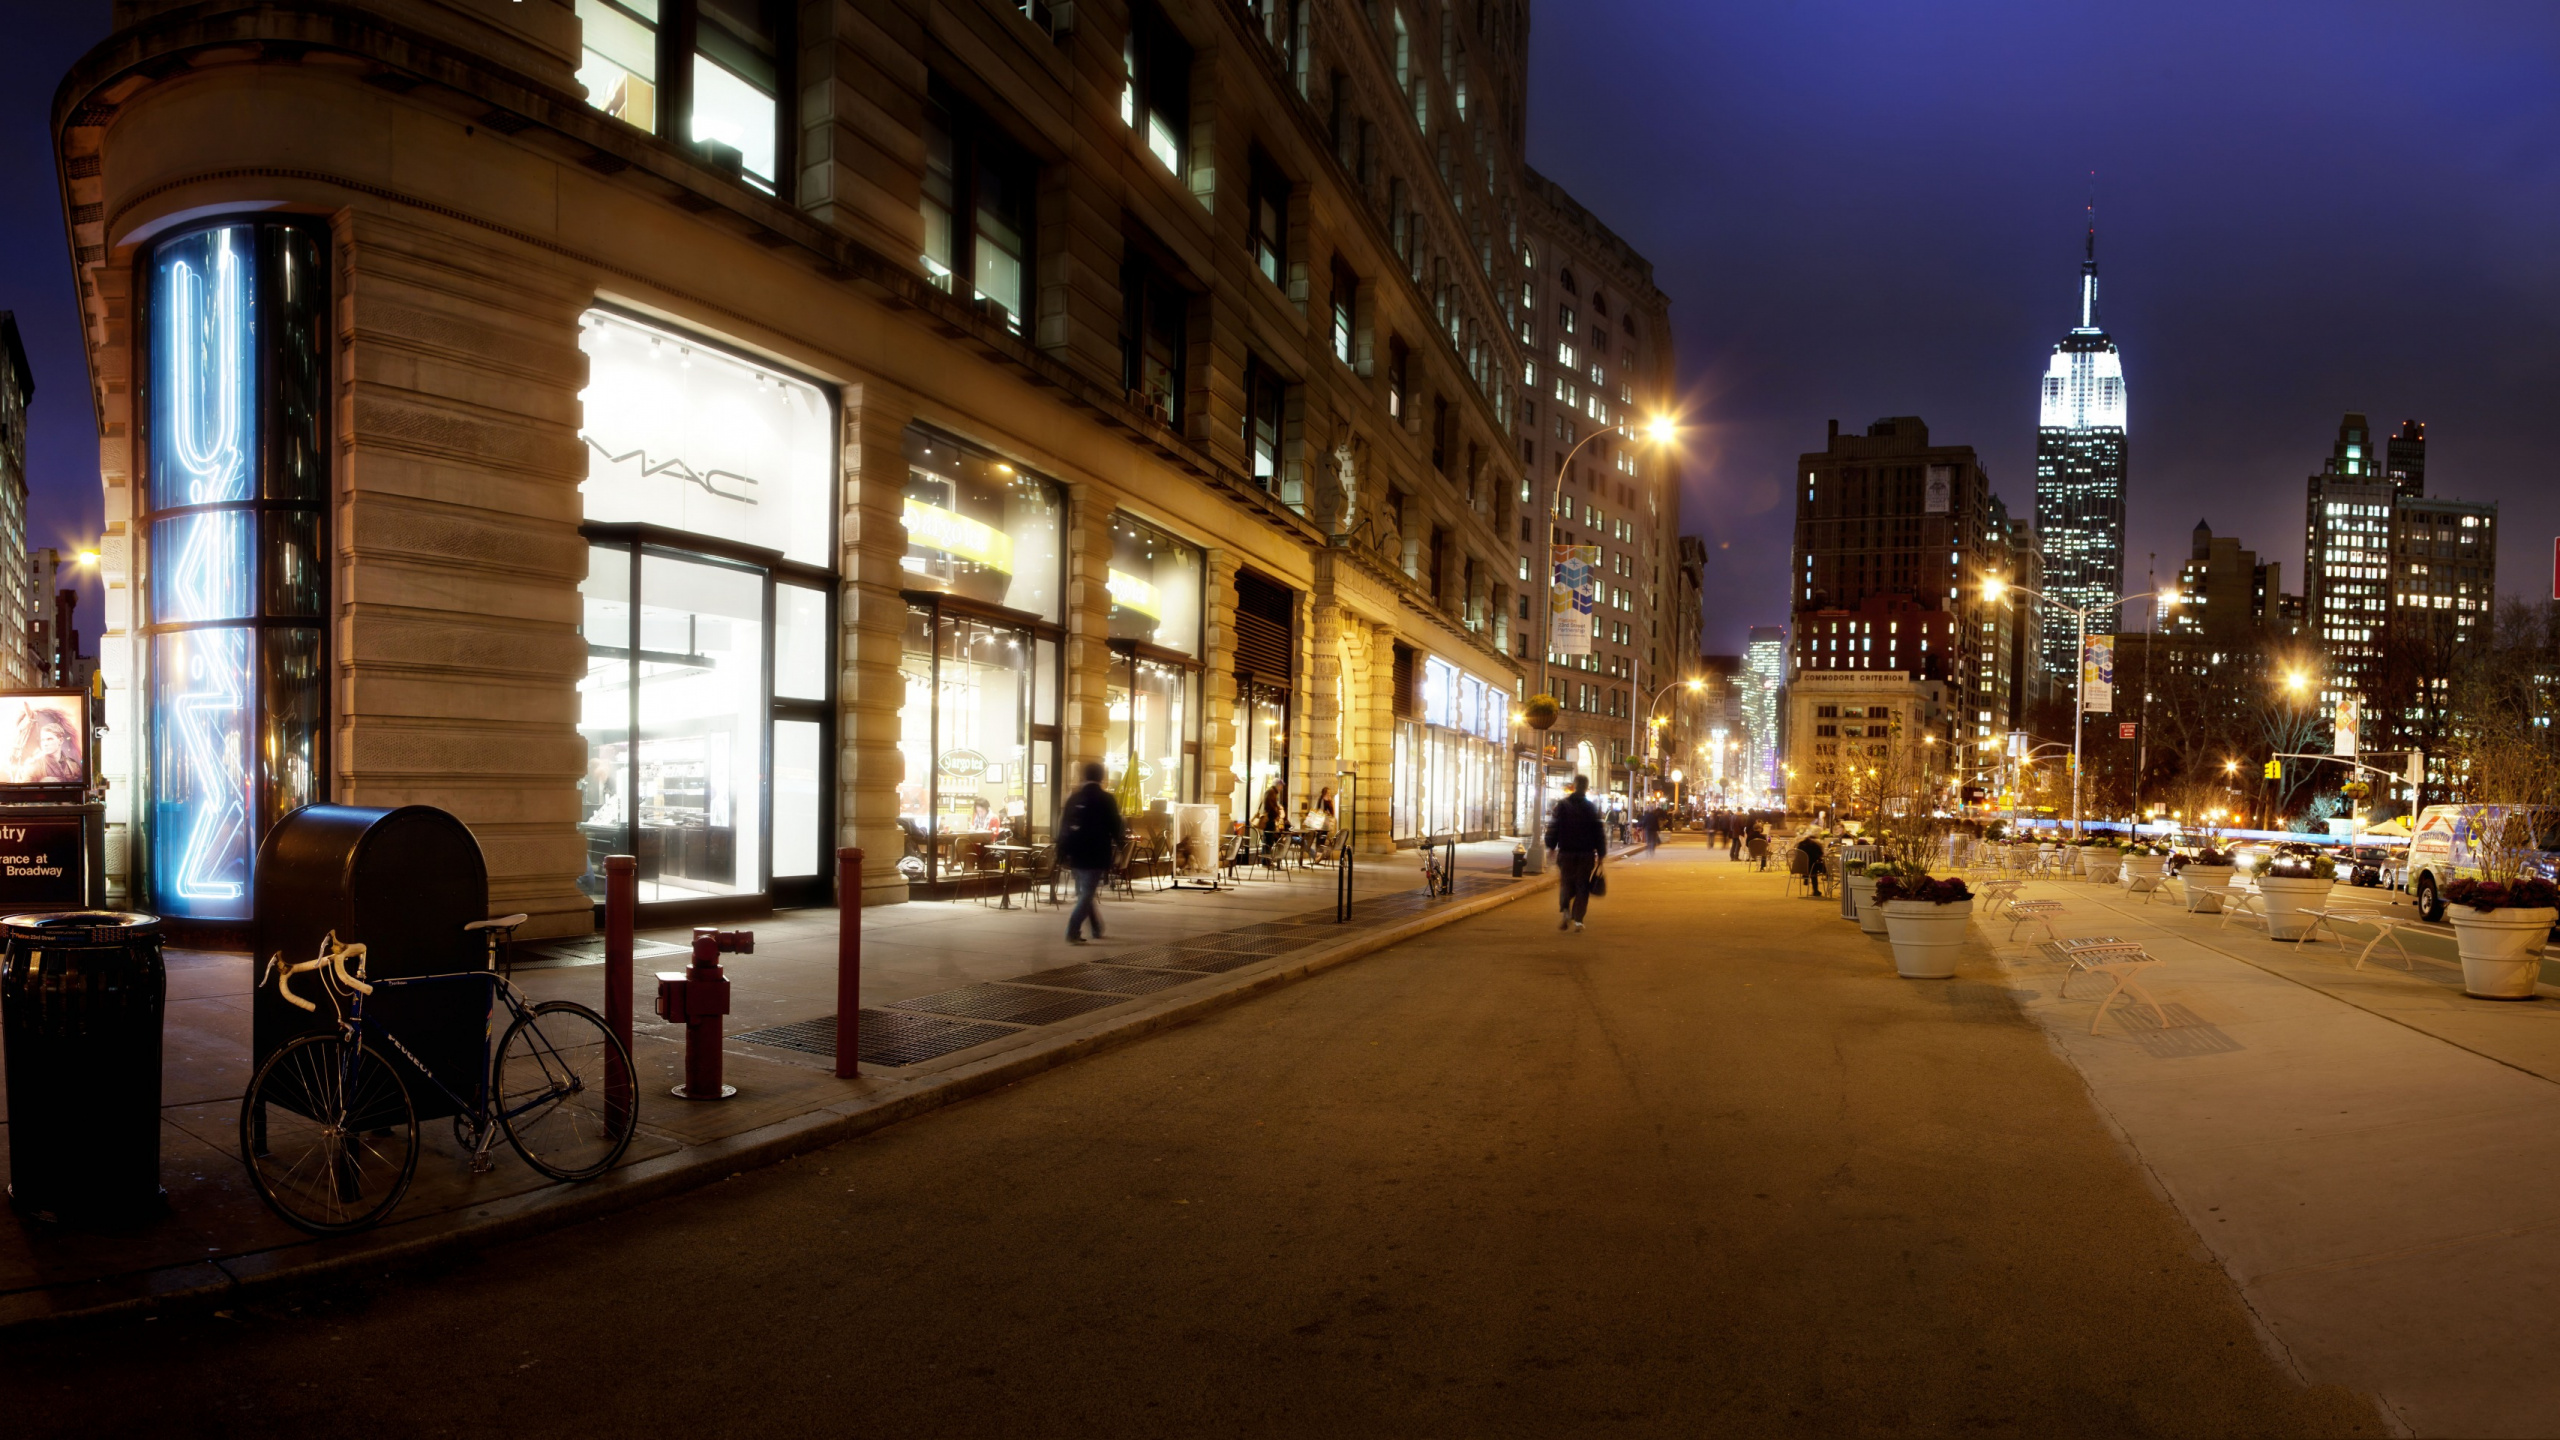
point(696, 998)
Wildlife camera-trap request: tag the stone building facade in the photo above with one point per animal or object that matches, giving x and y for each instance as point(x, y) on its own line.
point(728, 429)
point(22, 665)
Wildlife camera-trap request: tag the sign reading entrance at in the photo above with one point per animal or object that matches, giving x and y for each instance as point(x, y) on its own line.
point(43, 863)
point(1571, 596)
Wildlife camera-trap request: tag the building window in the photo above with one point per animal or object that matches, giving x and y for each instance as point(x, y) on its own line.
point(978, 196)
point(721, 98)
point(1155, 93)
point(1399, 365)
point(1267, 218)
point(1265, 402)
point(1346, 300)
point(1154, 338)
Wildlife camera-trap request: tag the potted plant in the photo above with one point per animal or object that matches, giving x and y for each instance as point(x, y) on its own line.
point(1925, 919)
point(2144, 860)
point(2292, 885)
point(2500, 930)
point(2099, 859)
point(1862, 897)
point(2204, 878)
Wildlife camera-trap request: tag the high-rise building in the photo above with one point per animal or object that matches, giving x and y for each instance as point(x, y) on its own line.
point(1763, 683)
point(962, 390)
point(1598, 337)
point(2080, 471)
point(1893, 538)
point(22, 617)
point(2405, 457)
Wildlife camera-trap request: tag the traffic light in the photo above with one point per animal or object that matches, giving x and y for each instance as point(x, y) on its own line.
point(2275, 770)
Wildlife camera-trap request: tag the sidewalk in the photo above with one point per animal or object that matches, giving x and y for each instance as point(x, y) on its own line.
point(2369, 1153)
point(958, 997)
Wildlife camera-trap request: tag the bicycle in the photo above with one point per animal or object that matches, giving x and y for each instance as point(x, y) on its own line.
point(329, 1130)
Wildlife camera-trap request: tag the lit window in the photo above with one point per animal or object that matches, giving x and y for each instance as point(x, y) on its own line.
point(1155, 94)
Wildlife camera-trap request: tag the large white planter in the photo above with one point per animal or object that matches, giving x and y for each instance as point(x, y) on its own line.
point(2501, 950)
point(2285, 897)
point(2101, 864)
point(2144, 867)
point(2203, 885)
point(1926, 936)
point(1862, 893)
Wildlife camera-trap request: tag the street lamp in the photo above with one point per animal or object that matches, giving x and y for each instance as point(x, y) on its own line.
point(1660, 430)
point(1653, 720)
point(1993, 587)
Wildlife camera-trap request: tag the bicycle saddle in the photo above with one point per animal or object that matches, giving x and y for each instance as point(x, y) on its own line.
point(503, 922)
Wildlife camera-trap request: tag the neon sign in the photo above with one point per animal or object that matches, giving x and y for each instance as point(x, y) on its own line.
point(205, 429)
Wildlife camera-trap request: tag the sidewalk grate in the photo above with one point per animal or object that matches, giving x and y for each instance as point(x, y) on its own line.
point(1256, 944)
point(1157, 957)
point(889, 1037)
point(1214, 962)
point(1105, 977)
point(1013, 1004)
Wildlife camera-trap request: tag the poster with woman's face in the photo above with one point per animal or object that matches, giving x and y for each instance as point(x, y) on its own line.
point(40, 740)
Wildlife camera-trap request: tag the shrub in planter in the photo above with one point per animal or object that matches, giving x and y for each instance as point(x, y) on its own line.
point(2203, 878)
point(1925, 919)
point(2500, 928)
point(2292, 885)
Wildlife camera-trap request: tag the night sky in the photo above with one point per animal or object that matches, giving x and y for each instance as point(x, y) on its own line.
point(1864, 208)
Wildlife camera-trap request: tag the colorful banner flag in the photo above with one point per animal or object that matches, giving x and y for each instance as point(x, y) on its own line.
point(1571, 596)
point(2098, 675)
point(2350, 714)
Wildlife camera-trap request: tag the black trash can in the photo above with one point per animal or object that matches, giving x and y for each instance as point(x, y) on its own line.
point(81, 997)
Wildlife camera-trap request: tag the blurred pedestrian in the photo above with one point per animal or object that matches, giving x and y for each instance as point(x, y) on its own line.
point(1758, 842)
point(1575, 833)
point(1089, 834)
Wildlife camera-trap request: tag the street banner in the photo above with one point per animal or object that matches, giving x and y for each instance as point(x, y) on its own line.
point(1571, 596)
point(2098, 675)
point(2018, 745)
point(1941, 487)
point(2350, 711)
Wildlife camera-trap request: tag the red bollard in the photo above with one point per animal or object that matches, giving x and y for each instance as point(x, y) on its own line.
point(696, 998)
point(848, 963)
point(621, 900)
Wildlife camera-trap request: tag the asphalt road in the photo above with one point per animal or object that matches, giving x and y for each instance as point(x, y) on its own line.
point(1706, 1168)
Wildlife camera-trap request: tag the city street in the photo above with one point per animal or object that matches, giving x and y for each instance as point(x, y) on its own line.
point(1707, 1167)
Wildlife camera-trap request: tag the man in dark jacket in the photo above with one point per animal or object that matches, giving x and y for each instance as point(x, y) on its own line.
point(1575, 833)
point(1089, 832)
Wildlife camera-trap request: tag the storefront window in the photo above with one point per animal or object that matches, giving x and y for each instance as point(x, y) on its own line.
point(1261, 749)
point(1148, 747)
point(683, 435)
point(230, 565)
point(1155, 587)
point(975, 768)
point(1450, 775)
point(710, 501)
point(979, 529)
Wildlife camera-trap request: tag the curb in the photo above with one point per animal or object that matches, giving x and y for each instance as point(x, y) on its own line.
point(203, 1284)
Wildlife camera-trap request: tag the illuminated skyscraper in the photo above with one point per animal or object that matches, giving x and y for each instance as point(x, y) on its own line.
point(2080, 456)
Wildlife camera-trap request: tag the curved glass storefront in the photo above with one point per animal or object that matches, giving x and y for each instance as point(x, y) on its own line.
point(233, 580)
point(1151, 747)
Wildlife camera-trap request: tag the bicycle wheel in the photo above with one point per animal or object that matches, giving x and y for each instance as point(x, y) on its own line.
point(552, 1095)
point(329, 1135)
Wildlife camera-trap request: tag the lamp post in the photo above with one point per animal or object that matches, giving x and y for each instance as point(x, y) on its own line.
point(1660, 430)
point(1652, 715)
point(1993, 587)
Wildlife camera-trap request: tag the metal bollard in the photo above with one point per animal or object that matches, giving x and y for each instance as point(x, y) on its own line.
point(697, 997)
point(848, 963)
point(621, 903)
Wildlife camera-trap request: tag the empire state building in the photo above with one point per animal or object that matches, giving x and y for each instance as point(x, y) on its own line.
point(2080, 447)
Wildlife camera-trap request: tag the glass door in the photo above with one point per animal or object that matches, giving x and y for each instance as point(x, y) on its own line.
point(803, 755)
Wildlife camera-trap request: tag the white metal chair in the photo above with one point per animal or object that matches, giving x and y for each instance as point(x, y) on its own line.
point(2384, 928)
point(2033, 912)
point(2120, 961)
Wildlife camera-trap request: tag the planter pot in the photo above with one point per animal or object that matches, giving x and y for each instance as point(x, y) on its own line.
point(2195, 880)
point(2101, 865)
point(1926, 936)
point(2501, 949)
point(2286, 897)
point(1862, 893)
point(2144, 867)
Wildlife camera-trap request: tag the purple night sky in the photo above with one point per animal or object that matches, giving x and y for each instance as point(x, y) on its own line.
point(1862, 208)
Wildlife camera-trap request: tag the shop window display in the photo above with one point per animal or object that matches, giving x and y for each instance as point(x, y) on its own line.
point(1151, 745)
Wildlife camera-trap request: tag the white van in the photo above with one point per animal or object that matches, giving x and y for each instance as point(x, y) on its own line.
point(2447, 843)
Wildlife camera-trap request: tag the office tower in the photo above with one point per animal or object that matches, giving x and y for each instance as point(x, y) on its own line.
point(2080, 470)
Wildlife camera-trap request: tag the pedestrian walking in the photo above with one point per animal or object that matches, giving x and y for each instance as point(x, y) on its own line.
point(1575, 833)
point(1652, 830)
point(1089, 834)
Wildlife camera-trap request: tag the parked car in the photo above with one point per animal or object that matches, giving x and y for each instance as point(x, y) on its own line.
point(2376, 867)
point(2452, 842)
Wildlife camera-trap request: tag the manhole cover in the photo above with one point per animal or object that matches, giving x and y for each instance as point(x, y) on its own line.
point(889, 1037)
point(1106, 977)
point(1013, 1004)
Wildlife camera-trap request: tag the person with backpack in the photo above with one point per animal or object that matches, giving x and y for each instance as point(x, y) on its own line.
point(1089, 834)
point(1575, 833)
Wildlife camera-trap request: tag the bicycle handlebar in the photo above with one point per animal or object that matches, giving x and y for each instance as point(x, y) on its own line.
point(333, 957)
